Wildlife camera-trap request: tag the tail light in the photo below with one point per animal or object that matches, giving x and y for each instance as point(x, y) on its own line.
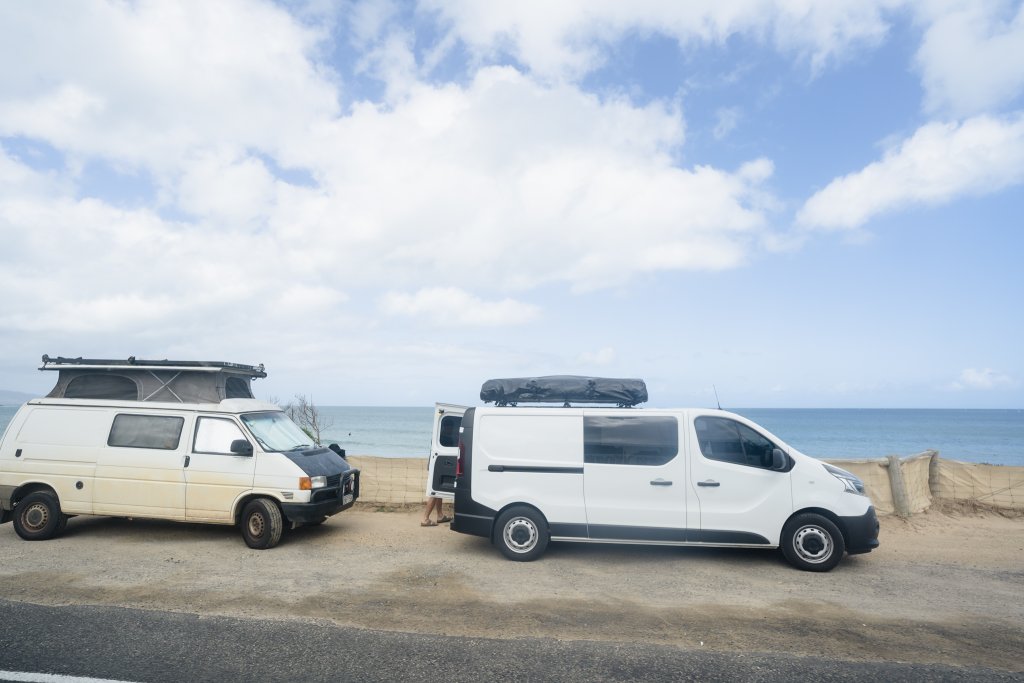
point(460, 465)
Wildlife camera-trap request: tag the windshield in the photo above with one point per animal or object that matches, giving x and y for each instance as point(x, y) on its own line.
point(275, 431)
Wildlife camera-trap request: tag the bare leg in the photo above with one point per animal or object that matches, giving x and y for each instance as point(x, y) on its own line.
point(428, 508)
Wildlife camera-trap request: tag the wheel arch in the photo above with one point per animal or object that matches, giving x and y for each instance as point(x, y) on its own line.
point(827, 514)
point(236, 514)
point(509, 506)
point(31, 487)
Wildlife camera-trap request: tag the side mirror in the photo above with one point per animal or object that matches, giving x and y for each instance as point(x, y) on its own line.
point(778, 459)
point(338, 449)
point(241, 447)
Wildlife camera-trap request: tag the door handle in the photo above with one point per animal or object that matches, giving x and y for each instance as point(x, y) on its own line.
point(709, 482)
point(661, 482)
point(188, 459)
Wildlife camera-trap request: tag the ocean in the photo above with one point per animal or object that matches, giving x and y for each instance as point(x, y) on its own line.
point(989, 436)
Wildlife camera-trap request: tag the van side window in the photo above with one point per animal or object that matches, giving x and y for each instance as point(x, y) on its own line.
point(214, 435)
point(146, 431)
point(642, 440)
point(729, 441)
point(449, 431)
point(105, 387)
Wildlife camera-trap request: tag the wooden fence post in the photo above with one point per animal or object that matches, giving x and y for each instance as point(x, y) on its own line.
point(900, 498)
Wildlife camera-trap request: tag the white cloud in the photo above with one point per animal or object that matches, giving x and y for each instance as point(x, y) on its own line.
point(568, 38)
point(726, 119)
point(150, 83)
point(939, 163)
point(982, 379)
point(444, 306)
point(971, 58)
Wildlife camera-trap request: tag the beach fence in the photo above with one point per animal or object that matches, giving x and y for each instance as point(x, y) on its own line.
point(902, 486)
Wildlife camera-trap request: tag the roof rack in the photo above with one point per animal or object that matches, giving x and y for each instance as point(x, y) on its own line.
point(564, 389)
point(62, 363)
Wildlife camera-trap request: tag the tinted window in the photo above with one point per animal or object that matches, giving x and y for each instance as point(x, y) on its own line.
point(729, 441)
point(146, 431)
point(449, 430)
point(110, 387)
point(214, 435)
point(641, 440)
point(236, 387)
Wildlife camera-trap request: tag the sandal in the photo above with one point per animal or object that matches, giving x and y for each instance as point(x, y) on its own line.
point(444, 520)
point(428, 523)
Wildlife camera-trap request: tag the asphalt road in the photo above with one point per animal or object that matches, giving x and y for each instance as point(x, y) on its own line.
point(152, 646)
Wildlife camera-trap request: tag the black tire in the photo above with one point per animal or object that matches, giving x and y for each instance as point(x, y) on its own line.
point(37, 517)
point(812, 543)
point(261, 524)
point(522, 534)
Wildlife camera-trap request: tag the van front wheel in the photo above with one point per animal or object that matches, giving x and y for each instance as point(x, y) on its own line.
point(812, 543)
point(522, 534)
point(261, 524)
point(37, 517)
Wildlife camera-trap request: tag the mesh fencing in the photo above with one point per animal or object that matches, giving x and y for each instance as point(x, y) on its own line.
point(927, 479)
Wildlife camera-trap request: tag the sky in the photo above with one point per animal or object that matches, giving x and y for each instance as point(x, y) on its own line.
point(798, 204)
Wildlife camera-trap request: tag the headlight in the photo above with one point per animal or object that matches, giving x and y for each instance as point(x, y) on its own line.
point(307, 483)
point(851, 482)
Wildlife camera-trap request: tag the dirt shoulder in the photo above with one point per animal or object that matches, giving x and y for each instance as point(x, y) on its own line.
point(941, 589)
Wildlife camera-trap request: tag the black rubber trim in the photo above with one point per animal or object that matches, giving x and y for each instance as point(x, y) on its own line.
point(637, 533)
point(860, 533)
point(569, 530)
point(545, 470)
point(726, 537)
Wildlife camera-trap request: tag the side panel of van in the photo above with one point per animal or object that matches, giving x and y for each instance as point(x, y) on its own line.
point(216, 477)
point(741, 500)
point(531, 457)
point(635, 476)
point(140, 470)
point(57, 447)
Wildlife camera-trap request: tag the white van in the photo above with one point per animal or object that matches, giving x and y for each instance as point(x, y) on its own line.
point(177, 440)
point(689, 477)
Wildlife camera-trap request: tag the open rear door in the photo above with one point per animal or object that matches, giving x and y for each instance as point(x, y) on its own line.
point(444, 450)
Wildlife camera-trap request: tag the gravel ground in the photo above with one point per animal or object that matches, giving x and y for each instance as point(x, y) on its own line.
point(945, 589)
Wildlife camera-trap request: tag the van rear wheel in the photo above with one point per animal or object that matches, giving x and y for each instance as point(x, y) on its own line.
point(522, 534)
point(812, 543)
point(261, 524)
point(37, 517)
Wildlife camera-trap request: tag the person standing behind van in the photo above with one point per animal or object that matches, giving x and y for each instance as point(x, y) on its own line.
point(434, 502)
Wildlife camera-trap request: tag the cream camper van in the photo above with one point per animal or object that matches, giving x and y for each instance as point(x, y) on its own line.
point(176, 440)
point(594, 468)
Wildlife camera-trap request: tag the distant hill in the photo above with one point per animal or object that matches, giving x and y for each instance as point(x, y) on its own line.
point(13, 398)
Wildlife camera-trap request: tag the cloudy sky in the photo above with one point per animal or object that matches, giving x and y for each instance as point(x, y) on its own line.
point(803, 204)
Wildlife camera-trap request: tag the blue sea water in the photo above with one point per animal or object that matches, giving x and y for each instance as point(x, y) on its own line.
point(991, 436)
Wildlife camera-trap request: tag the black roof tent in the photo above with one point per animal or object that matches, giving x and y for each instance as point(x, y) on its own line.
point(564, 389)
point(168, 381)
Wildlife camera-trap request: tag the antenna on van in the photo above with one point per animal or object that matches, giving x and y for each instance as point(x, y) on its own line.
point(719, 403)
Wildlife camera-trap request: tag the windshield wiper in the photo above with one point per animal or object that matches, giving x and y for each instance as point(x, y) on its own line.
point(301, 445)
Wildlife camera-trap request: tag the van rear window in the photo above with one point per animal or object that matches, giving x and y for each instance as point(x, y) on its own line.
point(646, 440)
point(146, 431)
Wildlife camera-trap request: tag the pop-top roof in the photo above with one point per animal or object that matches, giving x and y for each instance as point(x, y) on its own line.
point(167, 381)
point(565, 389)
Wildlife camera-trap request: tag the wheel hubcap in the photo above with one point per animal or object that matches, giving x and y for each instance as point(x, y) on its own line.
point(36, 516)
point(520, 535)
point(813, 544)
point(256, 525)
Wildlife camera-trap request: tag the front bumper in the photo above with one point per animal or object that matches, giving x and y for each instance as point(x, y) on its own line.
point(861, 533)
point(325, 502)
